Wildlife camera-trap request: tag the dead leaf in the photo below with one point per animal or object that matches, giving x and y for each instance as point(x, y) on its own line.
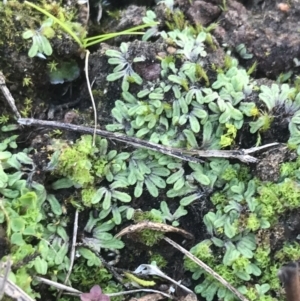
point(153, 226)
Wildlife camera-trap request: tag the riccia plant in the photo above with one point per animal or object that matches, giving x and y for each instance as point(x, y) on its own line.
point(40, 43)
point(180, 108)
point(282, 106)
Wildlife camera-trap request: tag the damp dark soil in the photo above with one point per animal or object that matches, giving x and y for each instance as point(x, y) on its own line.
point(270, 33)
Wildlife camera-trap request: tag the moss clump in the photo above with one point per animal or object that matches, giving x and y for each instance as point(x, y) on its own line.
point(147, 236)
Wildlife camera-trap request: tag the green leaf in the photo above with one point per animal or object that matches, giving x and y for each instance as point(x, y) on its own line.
point(17, 224)
point(152, 189)
point(14, 162)
point(17, 239)
point(5, 155)
point(33, 50)
point(3, 179)
point(129, 213)
point(231, 254)
point(98, 195)
point(175, 79)
point(180, 211)
point(116, 216)
point(243, 275)
point(107, 200)
point(165, 209)
point(158, 181)
point(62, 183)
point(116, 61)
point(28, 34)
point(54, 204)
point(255, 269)
point(113, 244)
point(175, 176)
point(8, 128)
point(217, 242)
point(142, 132)
point(225, 116)
point(262, 289)
point(114, 76)
point(41, 265)
point(201, 178)
point(31, 230)
point(62, 233)
point(190, 138)
point(121, 196)
point(195, 125)
point(160, 171)
point(244, 251)
point(12, 178)
point(114, 53)
point(9, 193)
point(138, 190)
point(229, 230)
point(90, 256)
point(179, 184)
point(60, 255)
point(104, 227)
point(236, 114)
point(189, 199)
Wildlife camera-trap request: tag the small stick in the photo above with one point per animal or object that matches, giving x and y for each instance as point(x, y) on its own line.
point(7, 266)
point(206, 268)
point(8, 95)
point(183, 154)
point(58, 285)
point(73, 249)
point(10, 288)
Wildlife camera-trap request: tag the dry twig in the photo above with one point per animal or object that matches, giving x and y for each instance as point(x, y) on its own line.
point(183, 154)
point(9, 288)
point(153, 226)
point(8, 96)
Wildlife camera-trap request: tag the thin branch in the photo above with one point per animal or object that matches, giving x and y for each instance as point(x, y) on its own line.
point(8, 95)
point(206, 268)
point(183, 154)
point(73, 249)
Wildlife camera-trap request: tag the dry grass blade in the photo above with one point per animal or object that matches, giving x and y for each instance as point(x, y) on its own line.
point(8, 96)
point(206, 268)
point(153, 226)
point(9, 288)
point(73, 250)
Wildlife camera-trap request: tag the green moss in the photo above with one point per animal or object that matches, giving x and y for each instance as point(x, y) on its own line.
point(159, 260)
point(202, 251)
point(87, 195)
point(262, 256)
point(289, 252)
point(81, 278)
point(76, 165)
point(147, 236)
point(253, 222)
